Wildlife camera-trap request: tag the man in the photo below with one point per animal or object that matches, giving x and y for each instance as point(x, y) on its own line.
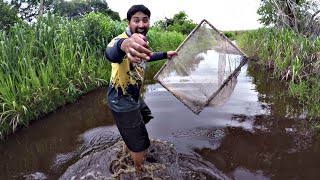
point(128, 53)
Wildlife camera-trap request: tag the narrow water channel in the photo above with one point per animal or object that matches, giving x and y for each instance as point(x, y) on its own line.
point(260, 133)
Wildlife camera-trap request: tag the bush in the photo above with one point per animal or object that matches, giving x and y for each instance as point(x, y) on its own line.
point(230, 35)
point(100, 29)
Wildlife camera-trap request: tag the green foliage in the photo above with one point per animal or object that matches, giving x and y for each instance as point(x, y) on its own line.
point(267, 13)
point(299, 15)
point(44, 66)
point(8, 17)
point(230, 35)
point(160, 40)
point(75, 8)
point(270, 11)
point(100, 29)
point(317, 44)
point(289, 55)
point(308, 94)
point(178, 23)
point(280, 49)
point(28, 9)
point(185, 27)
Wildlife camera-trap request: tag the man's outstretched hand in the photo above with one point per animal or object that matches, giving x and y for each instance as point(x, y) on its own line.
point(136, 48)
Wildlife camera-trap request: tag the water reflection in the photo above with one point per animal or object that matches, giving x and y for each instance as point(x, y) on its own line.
point(270, 152)
point(265, 133)
point(34, 149)
point(272, 94)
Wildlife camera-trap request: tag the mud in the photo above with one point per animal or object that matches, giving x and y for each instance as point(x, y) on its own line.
point(162, 162)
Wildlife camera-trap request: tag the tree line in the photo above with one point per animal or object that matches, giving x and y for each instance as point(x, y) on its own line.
point(27, 10)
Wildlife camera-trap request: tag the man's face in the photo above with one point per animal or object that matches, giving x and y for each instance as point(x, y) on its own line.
point(139, 23)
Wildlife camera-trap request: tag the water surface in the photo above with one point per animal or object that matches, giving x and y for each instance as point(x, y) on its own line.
point(260, 133)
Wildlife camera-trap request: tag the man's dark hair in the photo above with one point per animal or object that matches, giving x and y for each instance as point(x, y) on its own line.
point(137, 8)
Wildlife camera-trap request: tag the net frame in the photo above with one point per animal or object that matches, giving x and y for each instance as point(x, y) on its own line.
point(244, 60)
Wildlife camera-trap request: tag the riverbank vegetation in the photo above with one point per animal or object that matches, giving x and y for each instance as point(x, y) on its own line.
point(50, 63)
point(290, 47)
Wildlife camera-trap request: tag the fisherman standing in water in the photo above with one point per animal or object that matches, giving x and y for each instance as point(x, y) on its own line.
point(128, 53)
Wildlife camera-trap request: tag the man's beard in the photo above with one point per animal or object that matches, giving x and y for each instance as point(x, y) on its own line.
point(142, 31)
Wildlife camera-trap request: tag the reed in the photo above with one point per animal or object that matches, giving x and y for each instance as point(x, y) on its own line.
point(292, 57)
point(48, 64)
point(160, 40)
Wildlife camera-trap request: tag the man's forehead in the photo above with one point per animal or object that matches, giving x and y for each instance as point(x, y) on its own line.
point(140, 15)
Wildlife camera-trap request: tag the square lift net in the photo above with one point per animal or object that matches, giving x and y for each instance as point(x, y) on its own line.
point(204, 71)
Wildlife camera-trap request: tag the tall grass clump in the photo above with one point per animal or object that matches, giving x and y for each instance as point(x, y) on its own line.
point(50, 63)
point(100, 29)
point(161, 41)
point(292, 57)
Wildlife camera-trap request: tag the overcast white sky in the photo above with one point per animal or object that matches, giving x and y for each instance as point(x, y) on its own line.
point(223, 14)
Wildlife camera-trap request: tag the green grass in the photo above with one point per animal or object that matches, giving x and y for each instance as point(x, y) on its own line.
point(46, 65)
point(292, 58)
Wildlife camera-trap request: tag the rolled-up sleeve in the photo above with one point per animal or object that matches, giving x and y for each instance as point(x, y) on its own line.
point(113, 51)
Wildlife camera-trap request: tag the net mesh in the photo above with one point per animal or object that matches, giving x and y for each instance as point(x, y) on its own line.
point(205, 69)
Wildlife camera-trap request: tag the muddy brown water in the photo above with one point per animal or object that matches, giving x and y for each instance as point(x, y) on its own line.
point(260, 133)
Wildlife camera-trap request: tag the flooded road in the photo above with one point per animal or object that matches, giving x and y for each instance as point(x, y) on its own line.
point(260, 133)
